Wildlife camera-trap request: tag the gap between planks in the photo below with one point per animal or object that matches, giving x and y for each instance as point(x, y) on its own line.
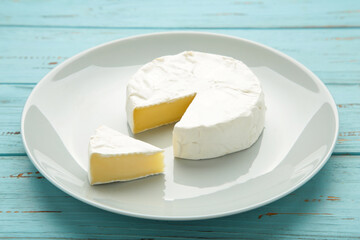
point(186, 28)
point(13, 154)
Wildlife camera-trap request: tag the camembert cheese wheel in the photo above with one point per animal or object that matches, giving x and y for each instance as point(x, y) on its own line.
point(217, 100)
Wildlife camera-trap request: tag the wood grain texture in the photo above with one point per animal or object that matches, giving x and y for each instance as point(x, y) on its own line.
point(12, 100)
point(347, 98)
point(37, 36)
point(32, 52)
point(33, 207)
point(182, 14)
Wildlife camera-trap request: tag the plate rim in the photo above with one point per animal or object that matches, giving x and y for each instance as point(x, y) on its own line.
point(201, 216)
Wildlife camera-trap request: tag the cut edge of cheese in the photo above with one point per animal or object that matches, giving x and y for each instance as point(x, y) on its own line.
point(148, 117)
point(116, 168)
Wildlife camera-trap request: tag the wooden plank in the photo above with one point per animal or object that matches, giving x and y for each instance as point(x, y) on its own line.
point(185, 14)
point(12, 100)
point(13, 97)
point(347, 98)
point(31, 207)
point(32, 52)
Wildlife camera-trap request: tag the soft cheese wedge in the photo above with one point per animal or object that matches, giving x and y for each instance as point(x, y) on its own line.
point(117, 157)
point(218, 100)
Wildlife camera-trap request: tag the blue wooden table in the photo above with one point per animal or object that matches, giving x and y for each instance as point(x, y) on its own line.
point(36, 36)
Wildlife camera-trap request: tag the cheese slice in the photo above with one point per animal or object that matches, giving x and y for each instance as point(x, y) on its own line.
point(116, 157)
point(218, 100)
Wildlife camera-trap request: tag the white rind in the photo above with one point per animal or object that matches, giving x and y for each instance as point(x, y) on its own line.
point(108, 142)
point(220, 139)
point(127, 180)
point(227, 113)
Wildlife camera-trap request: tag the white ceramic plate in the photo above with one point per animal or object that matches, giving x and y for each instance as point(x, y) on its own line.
point(88, 90)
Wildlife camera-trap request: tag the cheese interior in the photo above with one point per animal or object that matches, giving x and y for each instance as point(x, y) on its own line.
point(124, 167)
point(160, 114)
